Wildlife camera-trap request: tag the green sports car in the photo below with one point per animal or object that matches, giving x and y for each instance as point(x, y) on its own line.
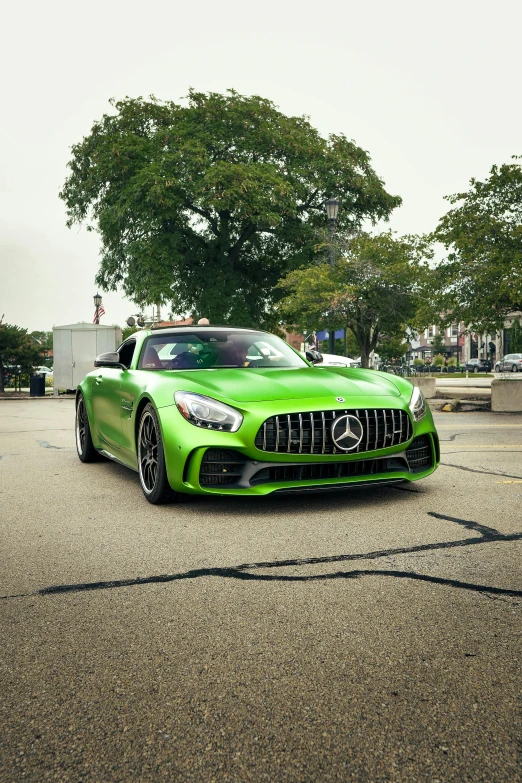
point(220, 410)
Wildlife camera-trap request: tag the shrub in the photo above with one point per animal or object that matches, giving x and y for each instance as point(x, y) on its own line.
point(452, 362)
point(438, 360)
point(418, 362)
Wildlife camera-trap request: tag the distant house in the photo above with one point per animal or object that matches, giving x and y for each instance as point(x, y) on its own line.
point(464, 346)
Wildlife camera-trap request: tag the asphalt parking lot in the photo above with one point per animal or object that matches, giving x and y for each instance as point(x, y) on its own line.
point(371, 636)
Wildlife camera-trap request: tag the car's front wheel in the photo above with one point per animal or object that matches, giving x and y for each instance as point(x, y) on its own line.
point(84, 444)
point(476, 369)
point(151, 460)
point(515, 368)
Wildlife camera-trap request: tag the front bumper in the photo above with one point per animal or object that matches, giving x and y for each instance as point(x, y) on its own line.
point(201, 461)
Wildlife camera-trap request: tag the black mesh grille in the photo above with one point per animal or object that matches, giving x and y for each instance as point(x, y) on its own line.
point(419, 454)
point(331, 470)
point(310, 432)
point(221, 466)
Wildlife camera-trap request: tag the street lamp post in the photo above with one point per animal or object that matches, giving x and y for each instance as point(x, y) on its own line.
point(332, 209)
point(97, 303)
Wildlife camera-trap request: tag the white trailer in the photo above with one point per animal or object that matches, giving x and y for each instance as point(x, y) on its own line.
point(75, 347)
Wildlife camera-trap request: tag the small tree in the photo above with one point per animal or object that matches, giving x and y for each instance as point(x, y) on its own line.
point(44, 341)
point(515, 333)
point(373, 289)
point(390, 348)
point(17, 349)
point(438, 344)
point(127, 331)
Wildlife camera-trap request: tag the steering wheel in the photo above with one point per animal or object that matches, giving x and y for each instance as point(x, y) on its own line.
point(185, 361)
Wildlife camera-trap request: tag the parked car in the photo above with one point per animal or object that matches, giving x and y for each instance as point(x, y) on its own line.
point(510, 363)
point(332, 360)
point(477, 365)
point(217, 410)
point(329, 359)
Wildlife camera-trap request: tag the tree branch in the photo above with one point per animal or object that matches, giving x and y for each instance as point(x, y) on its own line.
point(248, 232)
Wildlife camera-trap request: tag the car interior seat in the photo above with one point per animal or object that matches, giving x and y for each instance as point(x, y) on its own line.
point(151, 359)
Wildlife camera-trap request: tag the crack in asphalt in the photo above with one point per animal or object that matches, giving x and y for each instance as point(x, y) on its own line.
point(486, 535)
point(476, 470)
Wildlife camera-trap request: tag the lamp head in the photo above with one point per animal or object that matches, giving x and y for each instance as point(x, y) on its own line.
point(332, 208)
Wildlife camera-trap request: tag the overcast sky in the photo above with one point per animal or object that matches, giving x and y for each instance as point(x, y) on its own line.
point(431, 90)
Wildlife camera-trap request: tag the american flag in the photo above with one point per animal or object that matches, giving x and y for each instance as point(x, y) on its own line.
point(101, 312)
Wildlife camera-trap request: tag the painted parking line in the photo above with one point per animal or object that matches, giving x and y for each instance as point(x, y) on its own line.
point(510, 481)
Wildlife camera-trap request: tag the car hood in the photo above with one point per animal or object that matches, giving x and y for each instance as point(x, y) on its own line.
point(263, 384)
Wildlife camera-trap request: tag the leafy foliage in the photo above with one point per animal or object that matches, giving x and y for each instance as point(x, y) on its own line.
point(374, 289)
point(127, 331)
point(390, 348)
point(17, 349)
point(515, 337)
point(438, 344)
point(44, 341)
point(480, 281)
point(207, 205)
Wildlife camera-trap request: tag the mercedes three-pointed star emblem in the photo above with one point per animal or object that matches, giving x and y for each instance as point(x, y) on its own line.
point(347, 432)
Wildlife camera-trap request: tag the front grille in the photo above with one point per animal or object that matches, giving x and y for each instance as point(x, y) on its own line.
point(328, 470)
point(221, 466)
point(419, 454)
point(311, 432)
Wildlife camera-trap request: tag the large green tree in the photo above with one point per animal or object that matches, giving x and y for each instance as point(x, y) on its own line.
point(373, 290)
point(480, 280)
point(206, 205)
point(17, 349)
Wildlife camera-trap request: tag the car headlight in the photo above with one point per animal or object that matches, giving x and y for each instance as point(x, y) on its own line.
point(208, 413)
point(417, 404)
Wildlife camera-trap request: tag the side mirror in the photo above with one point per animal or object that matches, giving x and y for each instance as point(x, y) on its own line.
point(110, 359)
point(314, 356)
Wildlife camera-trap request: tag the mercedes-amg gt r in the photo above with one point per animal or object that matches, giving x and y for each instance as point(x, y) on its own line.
point(222, 410)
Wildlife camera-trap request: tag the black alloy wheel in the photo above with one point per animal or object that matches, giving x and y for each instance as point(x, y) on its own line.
point(151, 460)
point(84, 444)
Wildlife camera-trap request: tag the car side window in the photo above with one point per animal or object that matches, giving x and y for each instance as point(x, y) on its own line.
point(126, 352)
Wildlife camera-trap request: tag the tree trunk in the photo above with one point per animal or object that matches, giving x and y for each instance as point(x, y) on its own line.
point(364, 344)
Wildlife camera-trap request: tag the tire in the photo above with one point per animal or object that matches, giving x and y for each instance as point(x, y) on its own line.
point(151, 460)
point(476, 369)
point(514, 368)
point(84, 444)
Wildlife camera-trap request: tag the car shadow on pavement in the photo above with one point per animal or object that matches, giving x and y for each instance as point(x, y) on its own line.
point(247, 571)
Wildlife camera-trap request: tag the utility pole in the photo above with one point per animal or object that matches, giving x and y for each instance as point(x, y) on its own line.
point(332, 209)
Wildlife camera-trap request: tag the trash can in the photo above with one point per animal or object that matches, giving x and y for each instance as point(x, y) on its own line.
point(37, 385)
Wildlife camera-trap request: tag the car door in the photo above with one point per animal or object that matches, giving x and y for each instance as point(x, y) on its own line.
point(130, 390)
point(105, 404)
point(106, 397)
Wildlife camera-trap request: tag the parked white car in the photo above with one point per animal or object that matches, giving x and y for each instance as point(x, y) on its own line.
point(331, 360)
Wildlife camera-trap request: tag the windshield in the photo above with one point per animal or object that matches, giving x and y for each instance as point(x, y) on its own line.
point(209, 349)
